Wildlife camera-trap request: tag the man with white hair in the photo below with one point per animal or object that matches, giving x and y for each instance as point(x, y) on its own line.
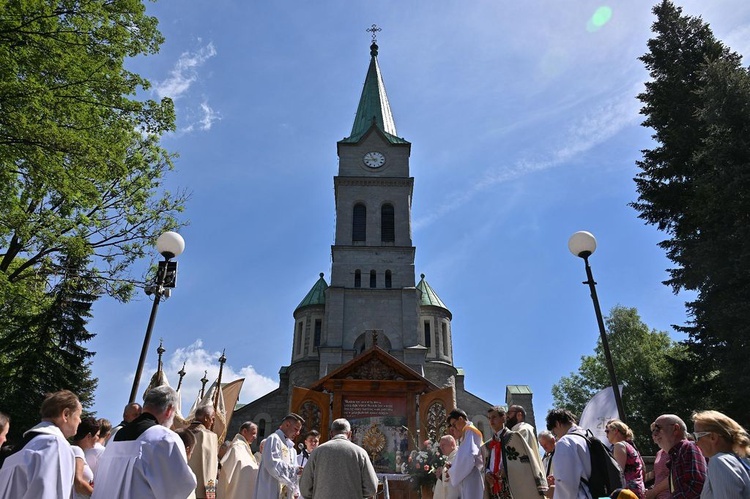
point(145, 459)
point(339, 468)
point(443, 487)
point(687, 468)
point(204, 461)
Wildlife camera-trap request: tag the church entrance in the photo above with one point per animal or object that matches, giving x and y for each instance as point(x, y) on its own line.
point(392, 410)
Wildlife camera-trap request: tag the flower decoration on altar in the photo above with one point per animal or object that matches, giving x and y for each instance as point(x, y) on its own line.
point(423, 463)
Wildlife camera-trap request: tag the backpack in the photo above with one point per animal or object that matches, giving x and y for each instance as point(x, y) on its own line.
point(606, 475)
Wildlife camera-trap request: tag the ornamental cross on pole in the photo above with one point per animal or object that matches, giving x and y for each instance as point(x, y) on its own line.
point(374, 31)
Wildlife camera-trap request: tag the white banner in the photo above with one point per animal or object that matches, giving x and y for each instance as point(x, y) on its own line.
point(600, 409)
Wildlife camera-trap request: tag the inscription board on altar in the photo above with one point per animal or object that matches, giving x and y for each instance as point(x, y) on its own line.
point(379, 427)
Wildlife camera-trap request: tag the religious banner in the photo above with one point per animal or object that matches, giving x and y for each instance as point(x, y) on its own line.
point(379, 427)
point(600, 409)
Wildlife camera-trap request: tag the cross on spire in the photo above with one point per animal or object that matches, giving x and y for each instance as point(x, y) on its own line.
point(374, 31)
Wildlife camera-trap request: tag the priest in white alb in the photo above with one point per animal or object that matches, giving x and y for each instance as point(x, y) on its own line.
point(278, 477)
point(239, 469)
point(466, 470)
point(145, 459)
point(44, 467)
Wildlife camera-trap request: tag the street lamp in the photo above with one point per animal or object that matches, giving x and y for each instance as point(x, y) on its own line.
point(170, 245)
point(583, 244)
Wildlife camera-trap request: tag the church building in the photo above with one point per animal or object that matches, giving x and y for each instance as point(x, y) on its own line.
point(373, 344)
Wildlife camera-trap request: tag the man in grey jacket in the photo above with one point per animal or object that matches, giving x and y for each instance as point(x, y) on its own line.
point(339, 468)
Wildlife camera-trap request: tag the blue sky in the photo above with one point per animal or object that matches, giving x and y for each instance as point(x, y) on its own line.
point(524, 128)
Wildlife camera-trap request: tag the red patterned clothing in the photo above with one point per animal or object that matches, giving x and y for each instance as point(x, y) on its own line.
point(687, 470)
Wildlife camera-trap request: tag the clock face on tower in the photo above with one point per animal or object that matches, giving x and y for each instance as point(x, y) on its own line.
point(374, 159)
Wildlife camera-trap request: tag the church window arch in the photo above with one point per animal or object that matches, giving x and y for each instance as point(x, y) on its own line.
point(357, 278)
point(388, 279)
point(300, 331)
point(359, 223)
point(373, 279)
point(427, 334)
point(387, 224)
point(318, 331)
point(445, 339)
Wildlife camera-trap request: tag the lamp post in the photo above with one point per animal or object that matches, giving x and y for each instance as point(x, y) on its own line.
point(583, 244)
point(170, 245)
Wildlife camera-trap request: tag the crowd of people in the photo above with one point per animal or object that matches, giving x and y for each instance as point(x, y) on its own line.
point(710, 463)
point(65, 456)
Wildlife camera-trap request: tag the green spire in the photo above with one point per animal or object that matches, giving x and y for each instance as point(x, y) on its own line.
point(428, 295)
point(374, 108)
point(316, 296)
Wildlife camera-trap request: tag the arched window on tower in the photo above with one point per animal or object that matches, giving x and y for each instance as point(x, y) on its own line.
point(387, 224)
point(388, 279)
point(357, 278)
point(427, 335)
point(373, 279)
point(446, 344)
point(359, 223)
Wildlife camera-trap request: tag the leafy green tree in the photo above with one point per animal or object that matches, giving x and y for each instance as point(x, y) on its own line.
point(693, 185)
point(81, 168)
point(644, 361)
point(80, 161)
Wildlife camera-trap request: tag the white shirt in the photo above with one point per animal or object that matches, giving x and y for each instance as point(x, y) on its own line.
point(43, 469)
point(93, 455)
point(88, 475)
point(153, 466)
point(571, 462)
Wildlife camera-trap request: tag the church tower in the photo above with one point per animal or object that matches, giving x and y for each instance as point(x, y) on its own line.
point(372, 291)
point(373, 297)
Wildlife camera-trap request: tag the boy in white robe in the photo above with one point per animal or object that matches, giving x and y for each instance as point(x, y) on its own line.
point(279, 472)
point(45, 466)
point(239, 469)
point(145, 459)
point(466, 470)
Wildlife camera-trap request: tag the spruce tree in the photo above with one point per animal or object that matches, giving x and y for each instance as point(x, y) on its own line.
point(44, 351)
point(694, 185)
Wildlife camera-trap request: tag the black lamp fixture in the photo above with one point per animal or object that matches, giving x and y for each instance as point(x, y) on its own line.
point(170, 245)
point(583, 244)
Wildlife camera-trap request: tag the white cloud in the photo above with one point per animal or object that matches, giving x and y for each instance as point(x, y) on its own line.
point(184, 73)
point(596, 127)
point(198, 360)
point(209, 116)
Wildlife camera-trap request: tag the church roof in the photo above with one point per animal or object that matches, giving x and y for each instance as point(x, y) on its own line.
point(429, 297)
point(374, 109)
point(316, 296)
point(375, 364)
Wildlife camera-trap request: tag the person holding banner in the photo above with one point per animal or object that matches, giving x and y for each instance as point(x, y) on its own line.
point(205, 458)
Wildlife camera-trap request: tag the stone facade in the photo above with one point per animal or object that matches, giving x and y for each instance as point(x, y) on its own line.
point(372, 287)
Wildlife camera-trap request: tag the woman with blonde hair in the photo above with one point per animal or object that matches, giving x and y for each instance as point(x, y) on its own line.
point(627, 456)
point(724, 442)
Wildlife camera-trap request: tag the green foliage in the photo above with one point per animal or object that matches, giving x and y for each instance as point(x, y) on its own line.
point(694, 186)
point(81, 171)
point(644, 362)
point(41, 351)
point(80, 161)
